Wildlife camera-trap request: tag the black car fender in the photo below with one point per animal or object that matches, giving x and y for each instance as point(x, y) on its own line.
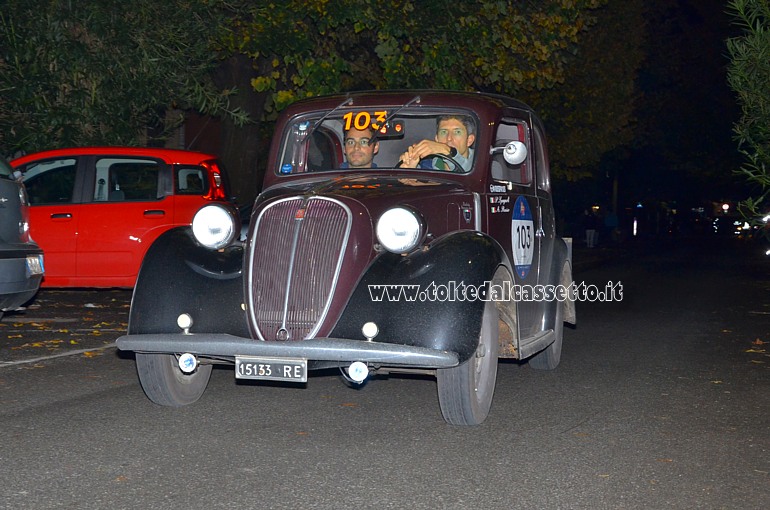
point(178, 275)
point(432, 297)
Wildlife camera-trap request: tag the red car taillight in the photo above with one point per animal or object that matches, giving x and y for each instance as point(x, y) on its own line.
point(216, 182)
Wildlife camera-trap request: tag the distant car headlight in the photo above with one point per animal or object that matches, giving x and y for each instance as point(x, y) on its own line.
point(399, 230)
point(214, 226)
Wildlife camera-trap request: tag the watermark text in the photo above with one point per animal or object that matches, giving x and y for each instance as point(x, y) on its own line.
point(488, 291)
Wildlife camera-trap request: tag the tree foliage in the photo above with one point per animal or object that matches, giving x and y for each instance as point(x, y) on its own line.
point(749, 76)
point(303, 49)
point(593, 110)
point(101, 72)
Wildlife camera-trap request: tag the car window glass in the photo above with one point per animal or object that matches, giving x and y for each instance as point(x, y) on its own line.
point(191, 180)
point(50, 181)
point(119, 179)
point(316, 142)
point(510, 131)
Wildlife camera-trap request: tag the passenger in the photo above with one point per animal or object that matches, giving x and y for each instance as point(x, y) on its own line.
point(360, 148)
point(454, 136)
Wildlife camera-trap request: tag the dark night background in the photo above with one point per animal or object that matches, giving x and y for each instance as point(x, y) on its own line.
point(684, 156)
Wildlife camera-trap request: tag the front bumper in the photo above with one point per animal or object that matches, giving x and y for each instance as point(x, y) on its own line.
point(316, 349)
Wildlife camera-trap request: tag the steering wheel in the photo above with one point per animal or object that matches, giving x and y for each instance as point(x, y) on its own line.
point(445, 157)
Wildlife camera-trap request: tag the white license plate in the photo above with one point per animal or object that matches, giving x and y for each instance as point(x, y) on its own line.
point(271, 369)
point(34, 265)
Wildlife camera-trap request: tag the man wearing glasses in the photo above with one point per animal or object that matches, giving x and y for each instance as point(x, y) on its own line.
point(360, 148)
point(454, 136)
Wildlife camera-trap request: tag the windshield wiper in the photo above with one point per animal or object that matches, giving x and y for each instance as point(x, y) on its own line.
point(415, 99)
point(320, 121)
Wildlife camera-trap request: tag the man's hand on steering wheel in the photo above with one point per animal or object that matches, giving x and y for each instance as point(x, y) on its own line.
point(429, 149)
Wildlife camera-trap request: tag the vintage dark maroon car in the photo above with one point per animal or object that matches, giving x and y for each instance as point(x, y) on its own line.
point(408, 231)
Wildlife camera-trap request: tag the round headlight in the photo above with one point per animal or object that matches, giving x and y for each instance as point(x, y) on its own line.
point(399, 230)
point(214, 226)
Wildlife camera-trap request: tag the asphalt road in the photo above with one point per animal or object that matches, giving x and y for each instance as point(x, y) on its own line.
point(661, 401)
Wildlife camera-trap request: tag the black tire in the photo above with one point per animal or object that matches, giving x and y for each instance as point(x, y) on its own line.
point(165, 384)
point(465, 392)
point(549, 358)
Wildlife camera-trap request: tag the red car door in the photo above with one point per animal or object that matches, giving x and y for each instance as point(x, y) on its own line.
point(53, 187)
point(129, 210)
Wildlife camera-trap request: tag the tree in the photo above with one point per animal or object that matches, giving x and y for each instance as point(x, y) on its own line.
point(593, 110)
point(749, 76)
point(300, 49)
point(303, 49)
point(101, 72)
point(76, 73)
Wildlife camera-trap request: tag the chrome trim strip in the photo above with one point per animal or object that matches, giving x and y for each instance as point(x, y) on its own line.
point(292, 258)
point(477, 211)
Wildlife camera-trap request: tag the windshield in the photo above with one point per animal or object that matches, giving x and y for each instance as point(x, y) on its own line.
point(372, 138)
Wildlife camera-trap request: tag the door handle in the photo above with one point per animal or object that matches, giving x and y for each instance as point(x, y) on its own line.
point(154, 212)
point(540, 232)
point(61, 216)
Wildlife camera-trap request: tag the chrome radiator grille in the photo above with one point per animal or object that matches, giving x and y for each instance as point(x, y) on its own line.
point(295, 260)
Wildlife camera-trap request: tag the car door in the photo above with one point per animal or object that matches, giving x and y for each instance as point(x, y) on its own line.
point(515, 215)
point(54, 187)
point(128, 208)
point(546, 227)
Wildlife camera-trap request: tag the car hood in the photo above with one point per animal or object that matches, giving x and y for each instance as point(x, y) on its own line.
point(375, 191)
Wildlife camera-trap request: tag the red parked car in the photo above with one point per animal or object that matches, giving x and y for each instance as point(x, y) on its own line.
point(96, 210)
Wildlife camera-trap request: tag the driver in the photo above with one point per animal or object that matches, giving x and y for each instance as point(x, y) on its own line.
point(454, 137)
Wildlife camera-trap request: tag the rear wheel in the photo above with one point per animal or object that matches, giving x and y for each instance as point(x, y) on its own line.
point(165, 384)
point(465, 391)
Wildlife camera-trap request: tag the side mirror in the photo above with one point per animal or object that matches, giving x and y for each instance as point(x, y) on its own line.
point(515, 152)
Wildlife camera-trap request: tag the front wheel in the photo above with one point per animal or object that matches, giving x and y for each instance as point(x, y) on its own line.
point(165, 384)
point(465, 391)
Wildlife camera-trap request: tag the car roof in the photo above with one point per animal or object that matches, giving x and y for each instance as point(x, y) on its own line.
point(169, 155)
point(480, 102)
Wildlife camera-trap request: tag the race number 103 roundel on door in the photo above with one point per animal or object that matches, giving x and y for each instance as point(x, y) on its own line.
point(522, 237)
